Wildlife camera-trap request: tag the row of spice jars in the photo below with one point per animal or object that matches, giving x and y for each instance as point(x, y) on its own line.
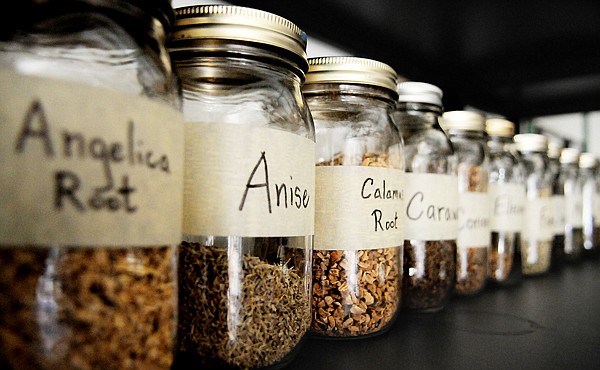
point(273, 246)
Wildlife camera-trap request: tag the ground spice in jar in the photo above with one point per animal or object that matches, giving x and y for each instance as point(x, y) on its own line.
point(355, 292)
point(267, 323)
point(114, 308)
point(429, 287)
point(538, 263)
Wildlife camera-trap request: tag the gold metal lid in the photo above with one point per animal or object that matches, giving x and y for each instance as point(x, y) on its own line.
point(351, 70)
point(531, 142)
point(587, 160)
point(499, 127)
point(463, 120)
point(236, 23)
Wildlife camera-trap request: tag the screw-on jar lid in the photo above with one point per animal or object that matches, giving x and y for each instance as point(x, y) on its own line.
point(419, 92)
point(463, 120)
point(225, 22)
point(570, 155)
point(587, 160)
point(499, 127)
point(554, 149)
point(351, 70)
point(531, 142)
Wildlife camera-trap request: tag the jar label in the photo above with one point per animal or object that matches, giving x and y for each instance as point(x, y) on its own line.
point(431, 206)
point(508, 206)
point(84, 166)
point(574, 208)
point(474, 212)
point(539, 214)
point(558, 216)
point(358, 207)
point(247, 181)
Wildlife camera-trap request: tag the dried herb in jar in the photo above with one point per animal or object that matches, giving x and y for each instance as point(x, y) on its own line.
point(88, 308)
point(250, 322)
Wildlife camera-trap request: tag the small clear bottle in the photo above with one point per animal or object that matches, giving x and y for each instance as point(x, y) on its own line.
point(357, 259)
point(466, 130)
point(92, 176)
point(588, 168)
point(558, 200)
point(507, 194)
point(431, 210)
point(248, 215)
point(536, 239)
point(570, 181)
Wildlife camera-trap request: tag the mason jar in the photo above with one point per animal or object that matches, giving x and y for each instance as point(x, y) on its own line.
point(91, 146)
point(248, 219)
point(357, 259)
point(507, 196)
point(588, 167)
point(536, 240)
point(466, 130)
point(431, 211)
point(558, 202)
point(569, 180)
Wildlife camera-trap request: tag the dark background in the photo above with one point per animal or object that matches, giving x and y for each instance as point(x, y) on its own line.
point(517, 58)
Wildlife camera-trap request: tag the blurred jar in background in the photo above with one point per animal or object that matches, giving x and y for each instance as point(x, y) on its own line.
point(431, 198)
point(570, 182)
point(466, 130)
point(558, 200)
point(588, 168)
point(536, 240)
point(507, 195)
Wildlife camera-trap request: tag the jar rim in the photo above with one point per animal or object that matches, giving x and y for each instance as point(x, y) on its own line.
point(197, 23)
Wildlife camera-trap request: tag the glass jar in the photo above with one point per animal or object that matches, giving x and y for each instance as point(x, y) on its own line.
point(431, 210)
point(507, 195)
point(569, 180)
point(91, 146)
point(248, 219)
point(536, 240)
point(357, 259)
point(466, 130)
point(588, 167)
point(558, 201)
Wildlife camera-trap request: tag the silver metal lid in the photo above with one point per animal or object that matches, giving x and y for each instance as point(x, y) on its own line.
point(419, 92)
point(570, 155)
point(587, 160)
point(463, 120)
point(531, 142)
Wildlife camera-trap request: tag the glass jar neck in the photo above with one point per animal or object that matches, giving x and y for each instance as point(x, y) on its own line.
point(416, 116)
point(378, 96)
point(212, 73)
point(194, 52)
point(466, 134)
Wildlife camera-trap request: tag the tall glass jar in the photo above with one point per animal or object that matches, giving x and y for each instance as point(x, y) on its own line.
point(588, 168)
point(430, 209)
point(245, 259)
point(357, 264)
point(558, 200)
point(466, 130)
point(536, 240)
point(507, 195)
point(92, 174)
point(570, 182)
